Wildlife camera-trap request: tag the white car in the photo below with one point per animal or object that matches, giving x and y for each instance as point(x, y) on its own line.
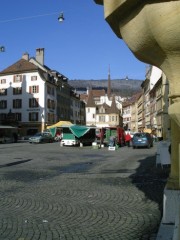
point(41, 138)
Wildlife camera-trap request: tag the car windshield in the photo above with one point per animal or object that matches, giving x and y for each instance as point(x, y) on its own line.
point(38, 134)
point(139, 135)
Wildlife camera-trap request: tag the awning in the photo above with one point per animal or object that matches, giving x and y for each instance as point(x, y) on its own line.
point(60, 124)
point(79, 131)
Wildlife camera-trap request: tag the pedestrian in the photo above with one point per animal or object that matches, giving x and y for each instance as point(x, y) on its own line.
point(128, 139)
point(112, 141)
point(169, 149)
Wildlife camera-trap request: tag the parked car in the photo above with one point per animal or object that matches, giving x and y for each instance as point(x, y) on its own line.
point(142, 140)
point(44, 137)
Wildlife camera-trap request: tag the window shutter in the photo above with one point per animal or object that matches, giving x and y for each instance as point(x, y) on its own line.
point(30, 89)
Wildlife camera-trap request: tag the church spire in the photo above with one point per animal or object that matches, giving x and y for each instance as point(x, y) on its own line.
point(109, 83)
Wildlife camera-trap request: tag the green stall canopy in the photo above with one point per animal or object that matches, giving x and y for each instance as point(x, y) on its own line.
point(53, 131)
point(78, 130)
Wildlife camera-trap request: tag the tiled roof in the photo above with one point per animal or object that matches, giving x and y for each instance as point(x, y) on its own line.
point(94, 94)
point(20, 66)
point(90, 100)
point(133, 99)
point(113, 108)
point(98, 93)
point(84, 97)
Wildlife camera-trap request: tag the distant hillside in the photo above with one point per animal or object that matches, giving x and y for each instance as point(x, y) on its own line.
point(121, 87)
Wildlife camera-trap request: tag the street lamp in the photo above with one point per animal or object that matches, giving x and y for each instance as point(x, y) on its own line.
point(61, 17)
point(2, 49)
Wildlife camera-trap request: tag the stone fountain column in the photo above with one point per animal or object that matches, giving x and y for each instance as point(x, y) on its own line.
point(151, 30)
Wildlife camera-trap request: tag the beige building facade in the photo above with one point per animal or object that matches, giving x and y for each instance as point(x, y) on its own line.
point(151, 30)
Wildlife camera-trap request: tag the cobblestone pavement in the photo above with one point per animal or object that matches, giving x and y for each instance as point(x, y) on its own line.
point(48, 192)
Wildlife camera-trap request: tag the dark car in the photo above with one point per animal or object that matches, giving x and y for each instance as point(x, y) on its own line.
point(41, 138)
point(142, 140)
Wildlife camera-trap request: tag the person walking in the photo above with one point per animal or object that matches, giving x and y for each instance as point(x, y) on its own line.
point(128, 139)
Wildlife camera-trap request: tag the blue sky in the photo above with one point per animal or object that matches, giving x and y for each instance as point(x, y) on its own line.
point(82, 47)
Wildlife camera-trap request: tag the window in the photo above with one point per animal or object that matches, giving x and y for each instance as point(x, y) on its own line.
point(17, 103)
point(3, 81)
point(102, 110)
point(101, 118)
point(17, 90)
point(50, 104)
point(18, 117)
point(3, 104)
point(17, 78)
point(33, 102)
point(2, 116)
point(33, 78)
point(3, 91)
point(51, 117)
point(33, 116)
point(50, 90)
point(34, 89)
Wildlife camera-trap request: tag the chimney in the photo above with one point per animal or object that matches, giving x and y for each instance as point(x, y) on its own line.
point(25, 56)
point(40, 55)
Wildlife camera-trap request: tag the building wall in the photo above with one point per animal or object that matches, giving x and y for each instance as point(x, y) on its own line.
point(91, 117)
point(29, 80)
point(140, 113)
point(127, 116)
